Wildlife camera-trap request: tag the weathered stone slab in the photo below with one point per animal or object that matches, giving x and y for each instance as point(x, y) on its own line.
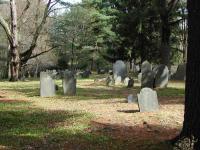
point(148, 79)
point(132, 99)
point(47, 85)
point(180, 73)
point(139, 77)
point(69, 83)
point(119, 71)
point(146, 67)
point(128, 82)
point(162, 76)
point(148, 100)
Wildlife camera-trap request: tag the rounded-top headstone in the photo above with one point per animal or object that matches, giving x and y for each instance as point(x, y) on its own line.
point(146, 67)
point(119, 71)
point(148, 100)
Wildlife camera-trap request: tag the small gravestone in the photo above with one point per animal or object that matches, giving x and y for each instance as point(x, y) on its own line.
point(128, 82)
point(109, 81)
point(47, 85)
point(139, 77)
point(162, 76)
point(119, 71)
point(69, 83)
point(86, 74)
point(132, 99)
point(173, 69)
point(118, 80)
point(180, 73)
point(146, 67)
point(148, 79)
point(148, 100)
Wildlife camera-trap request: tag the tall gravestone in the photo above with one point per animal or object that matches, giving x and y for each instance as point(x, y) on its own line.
point(148, 100)
point(119, 71)
point(69, 83)
point(47, 85)
point(146, 67)
point(161, 76)
point(147, 79)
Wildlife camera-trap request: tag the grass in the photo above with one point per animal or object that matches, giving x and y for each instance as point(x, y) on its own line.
point(28, 121)
point(23, 126)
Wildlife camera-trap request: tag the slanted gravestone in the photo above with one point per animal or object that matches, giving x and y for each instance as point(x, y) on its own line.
point(148, 100)
point(146, 67)
point(132, 99)
point(69, 83)
point(47, 85)
point(180, 73)
point(119, 71)
point(162, 76)
point(147, 79)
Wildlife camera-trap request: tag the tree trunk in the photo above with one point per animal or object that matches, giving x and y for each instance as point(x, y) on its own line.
point(165, 38)
point(190, 136)
point(14, 54)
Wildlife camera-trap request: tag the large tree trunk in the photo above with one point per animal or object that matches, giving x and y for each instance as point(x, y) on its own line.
point(190, 136)
point(165, 40)
point(14, 53)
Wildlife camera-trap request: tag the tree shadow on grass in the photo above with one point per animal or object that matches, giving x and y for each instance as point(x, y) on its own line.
point(22, 126)
point(138, 137)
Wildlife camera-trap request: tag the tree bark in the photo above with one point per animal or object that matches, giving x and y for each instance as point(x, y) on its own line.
point(165, 40)
point(190, 136)
point(14, 53)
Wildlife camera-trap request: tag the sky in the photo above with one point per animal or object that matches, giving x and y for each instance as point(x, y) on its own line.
point(73, 1)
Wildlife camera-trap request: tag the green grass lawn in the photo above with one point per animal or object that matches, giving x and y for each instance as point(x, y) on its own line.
point(26, 126)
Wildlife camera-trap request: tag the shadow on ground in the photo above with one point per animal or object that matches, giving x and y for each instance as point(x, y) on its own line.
point(24, 127)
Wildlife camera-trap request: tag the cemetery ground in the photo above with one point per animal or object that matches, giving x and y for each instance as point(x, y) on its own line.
point(97, 118)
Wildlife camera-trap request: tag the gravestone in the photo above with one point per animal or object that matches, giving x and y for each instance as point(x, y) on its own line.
point(132, 99)
point(173, 70)
point(148, 100)
point(109, 81)
point(118, 80)
point(146, 67)
point(86, 74)
point(162, 76)
point(69, 83)
point(139, 77)
point(119, 71)
point(147, 79)
point(47, 85)
point(180, 73)
point(128, 82)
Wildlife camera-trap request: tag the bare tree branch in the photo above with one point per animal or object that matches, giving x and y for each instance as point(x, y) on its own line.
point(25, 9)
point(6, 28)
point(27, 54)
point(36, 55)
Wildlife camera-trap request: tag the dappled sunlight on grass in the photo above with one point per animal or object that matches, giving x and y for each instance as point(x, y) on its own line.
point(28, 121)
